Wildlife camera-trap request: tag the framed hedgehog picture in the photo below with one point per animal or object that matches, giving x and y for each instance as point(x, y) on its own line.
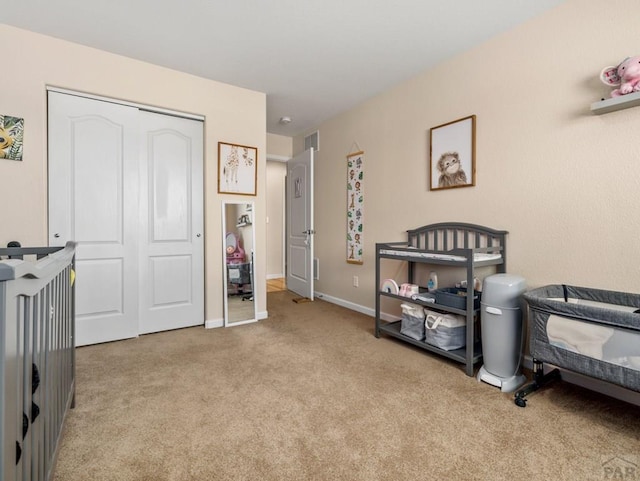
point(237, 169)
point(11, 133)
point(452, 154)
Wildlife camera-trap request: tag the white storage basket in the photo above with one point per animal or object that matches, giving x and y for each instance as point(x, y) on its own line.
point(412, 324)
point(446, 331)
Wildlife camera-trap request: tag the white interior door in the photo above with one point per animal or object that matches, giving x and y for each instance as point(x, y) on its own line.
point(93, 200)
point(300, 224)
point(171, 223)
point(127, 186)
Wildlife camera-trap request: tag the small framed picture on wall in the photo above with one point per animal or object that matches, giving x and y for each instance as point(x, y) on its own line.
point(11, 136)
point(237, 169)
point(452, 154)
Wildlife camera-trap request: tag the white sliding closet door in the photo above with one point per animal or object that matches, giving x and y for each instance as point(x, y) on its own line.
point(127, 186)
point(171, 222)
point(93, 200)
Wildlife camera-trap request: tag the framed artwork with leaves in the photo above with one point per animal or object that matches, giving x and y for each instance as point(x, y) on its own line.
point(11, 135)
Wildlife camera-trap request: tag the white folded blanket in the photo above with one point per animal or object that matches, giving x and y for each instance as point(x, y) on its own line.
point(478, 256)
point(580, 337)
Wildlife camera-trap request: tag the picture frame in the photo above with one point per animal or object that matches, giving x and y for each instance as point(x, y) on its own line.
point(237, 169)
point(11, 137)
point(452, 154)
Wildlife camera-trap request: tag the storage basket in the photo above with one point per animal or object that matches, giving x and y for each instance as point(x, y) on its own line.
point(412, 323)
point(446, 331)
point(456, 297)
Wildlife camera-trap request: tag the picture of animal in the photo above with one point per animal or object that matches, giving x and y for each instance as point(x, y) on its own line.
point(11, 131)
point(230, 169)
point(237, 168)
point(6, 141)
point(451, 172)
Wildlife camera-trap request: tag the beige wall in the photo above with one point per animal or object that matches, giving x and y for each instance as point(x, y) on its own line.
point(276, 179)
point(565, 183)
point(279, 147)
point(32, 62)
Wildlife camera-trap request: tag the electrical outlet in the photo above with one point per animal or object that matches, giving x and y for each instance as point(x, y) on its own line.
point(355, 281)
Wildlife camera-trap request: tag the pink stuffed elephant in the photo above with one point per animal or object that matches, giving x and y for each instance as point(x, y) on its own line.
point(626, 76)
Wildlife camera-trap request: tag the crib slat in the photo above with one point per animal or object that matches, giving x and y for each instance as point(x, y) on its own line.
point(37, 344)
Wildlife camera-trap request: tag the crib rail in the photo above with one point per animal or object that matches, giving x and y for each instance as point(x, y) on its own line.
point(449, 236)
point(37, 356)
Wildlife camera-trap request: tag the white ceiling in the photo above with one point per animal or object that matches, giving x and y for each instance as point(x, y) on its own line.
point(313, 58)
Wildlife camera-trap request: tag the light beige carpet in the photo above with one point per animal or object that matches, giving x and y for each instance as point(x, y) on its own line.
point(311, 394)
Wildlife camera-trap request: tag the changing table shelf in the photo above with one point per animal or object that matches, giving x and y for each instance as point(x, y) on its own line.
point(460, 355)
point(465, 246)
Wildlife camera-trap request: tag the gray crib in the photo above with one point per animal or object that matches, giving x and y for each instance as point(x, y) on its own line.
point(37, 352)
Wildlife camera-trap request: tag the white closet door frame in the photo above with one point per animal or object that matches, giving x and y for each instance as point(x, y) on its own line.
point(148, 108)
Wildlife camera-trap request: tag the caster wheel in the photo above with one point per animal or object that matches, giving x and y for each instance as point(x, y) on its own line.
point(520, 402)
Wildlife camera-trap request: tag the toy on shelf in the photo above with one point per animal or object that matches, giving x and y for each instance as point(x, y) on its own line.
point(235, 252)
point(625, 76)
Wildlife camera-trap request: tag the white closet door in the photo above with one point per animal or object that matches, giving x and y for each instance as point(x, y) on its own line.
point(93, 199)
point(171, 223)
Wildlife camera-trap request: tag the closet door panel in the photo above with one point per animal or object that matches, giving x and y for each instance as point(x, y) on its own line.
point(171, 293)
point(93, 200)
point(171, 236)
point(169, 161)
point(98, 203)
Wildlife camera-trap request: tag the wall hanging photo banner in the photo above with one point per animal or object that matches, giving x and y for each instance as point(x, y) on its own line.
point(355, 206)
point(452, 154)
point(11, 132)
point(237, 169)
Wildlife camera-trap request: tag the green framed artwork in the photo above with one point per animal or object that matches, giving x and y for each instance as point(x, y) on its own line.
point(355, 206)
point(11, 133)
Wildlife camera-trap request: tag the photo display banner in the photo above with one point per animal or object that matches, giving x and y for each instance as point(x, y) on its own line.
point(355, 206)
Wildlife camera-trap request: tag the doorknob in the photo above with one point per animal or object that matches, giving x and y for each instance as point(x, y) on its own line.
point(307, 234)
point(56, 235)
point(198, 235)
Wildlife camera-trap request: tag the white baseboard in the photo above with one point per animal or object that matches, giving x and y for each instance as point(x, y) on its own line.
point(275, 276)
point(355, 307)
point(349, 305)
point(212, 323)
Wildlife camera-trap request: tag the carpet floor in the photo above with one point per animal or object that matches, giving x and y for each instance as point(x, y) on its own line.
point(311, 394)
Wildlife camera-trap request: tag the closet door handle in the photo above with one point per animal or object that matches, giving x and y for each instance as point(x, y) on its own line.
point(56, 235)
point(198, 235)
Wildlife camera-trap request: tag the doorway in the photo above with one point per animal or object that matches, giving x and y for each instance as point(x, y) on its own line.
point(275, 223)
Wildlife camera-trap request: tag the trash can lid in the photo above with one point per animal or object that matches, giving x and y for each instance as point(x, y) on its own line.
point(503, 290)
